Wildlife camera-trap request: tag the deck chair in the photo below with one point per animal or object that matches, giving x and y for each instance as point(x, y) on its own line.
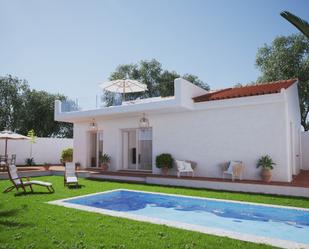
point(70, 176)
point(234, 169)
point(19, 183)
point(185, 167)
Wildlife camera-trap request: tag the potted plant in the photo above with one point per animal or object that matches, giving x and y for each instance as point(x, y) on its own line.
point(104, 161)
point(30, 161)
point(77, 165)
point(164, 162)
point(67, 155)
point(46, 166)
point(32, 139)
point(267, 165)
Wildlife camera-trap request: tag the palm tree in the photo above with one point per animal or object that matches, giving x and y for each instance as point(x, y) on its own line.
point(299, 23)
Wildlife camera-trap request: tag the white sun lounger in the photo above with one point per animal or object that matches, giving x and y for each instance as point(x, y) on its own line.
point(70, 176)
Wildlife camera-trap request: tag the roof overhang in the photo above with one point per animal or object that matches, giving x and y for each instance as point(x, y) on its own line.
point(184, 92)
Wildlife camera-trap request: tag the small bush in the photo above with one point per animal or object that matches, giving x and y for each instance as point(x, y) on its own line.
point(105, 158)
point(67, 155)
point(265, 162)
point(30, 161)
point(164, 160)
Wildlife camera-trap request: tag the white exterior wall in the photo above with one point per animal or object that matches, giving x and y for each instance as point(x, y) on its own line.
point(305, 150)
point(216, 136)
point(208, 137)
point(293, 129)
point(81, 144)
point(45, 150)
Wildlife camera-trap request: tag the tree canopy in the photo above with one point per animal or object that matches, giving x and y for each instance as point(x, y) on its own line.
point(159, 82)
point(13, 93)
point(285, 58)
point(23, 109)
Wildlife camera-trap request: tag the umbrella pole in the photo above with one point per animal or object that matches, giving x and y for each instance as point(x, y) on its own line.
point(6, 147)
point(124, 94)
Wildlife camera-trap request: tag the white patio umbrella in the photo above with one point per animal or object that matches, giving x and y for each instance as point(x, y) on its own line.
point(9, 135)
point(124, 86)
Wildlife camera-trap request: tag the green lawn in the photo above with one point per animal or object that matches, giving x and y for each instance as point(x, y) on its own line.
point(27, 221)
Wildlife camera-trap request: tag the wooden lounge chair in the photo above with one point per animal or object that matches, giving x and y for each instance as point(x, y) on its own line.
point(233, 168)
point(19, 183)
point(70, 176)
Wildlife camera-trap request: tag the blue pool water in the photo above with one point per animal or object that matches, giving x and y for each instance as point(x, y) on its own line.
point(267, 221)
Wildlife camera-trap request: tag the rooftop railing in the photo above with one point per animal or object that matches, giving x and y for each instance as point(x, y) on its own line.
point(89, 103)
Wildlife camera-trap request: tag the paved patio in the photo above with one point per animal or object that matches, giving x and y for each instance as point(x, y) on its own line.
point(301, 180)
point(298, 187)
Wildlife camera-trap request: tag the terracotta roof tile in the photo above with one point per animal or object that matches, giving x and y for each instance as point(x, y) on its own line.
point(246, 91)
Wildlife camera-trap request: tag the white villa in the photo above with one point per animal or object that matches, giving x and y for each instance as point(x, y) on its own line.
point(208, 128)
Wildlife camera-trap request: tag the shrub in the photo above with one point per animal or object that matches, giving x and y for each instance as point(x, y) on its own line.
point(105, 158)
point(30, 161)
point(67, 155)
point(265, 162)
point(164, 160)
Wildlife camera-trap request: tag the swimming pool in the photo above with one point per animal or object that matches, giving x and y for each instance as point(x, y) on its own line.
point(279, 226)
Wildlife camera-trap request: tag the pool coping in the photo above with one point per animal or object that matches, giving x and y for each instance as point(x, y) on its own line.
point(186, 226)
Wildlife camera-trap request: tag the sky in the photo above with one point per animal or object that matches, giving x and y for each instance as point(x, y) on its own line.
point(70, 46)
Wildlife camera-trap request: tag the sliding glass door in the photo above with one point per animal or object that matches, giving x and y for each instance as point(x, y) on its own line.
point(145, 149)
point(96, 148)
point(137, 149)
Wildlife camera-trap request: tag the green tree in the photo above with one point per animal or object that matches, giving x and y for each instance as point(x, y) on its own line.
point(300, 24)
point(150, 73)
point(39, 115)
point(13, 93)
point(159, 82)
point(23, 109)
point(166, 83)
point(287, 57)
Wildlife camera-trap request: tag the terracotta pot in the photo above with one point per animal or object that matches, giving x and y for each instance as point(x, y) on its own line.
point(77, 166)
point(104, 166)
point(266, 175)
point(165, 171)
point(46, 167)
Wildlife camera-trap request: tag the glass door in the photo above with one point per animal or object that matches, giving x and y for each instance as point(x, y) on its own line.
point(145, 149)
point(137, 149)
point(96, 148)
point(129, 149)
point(93, 150)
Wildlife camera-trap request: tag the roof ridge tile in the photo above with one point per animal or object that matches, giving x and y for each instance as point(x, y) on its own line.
point(245, 91)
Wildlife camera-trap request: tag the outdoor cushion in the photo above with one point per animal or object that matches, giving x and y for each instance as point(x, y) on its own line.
point(180, 165)
point(71, 179)
point(46, 184)
point(70, 174)
point(14, 175)
point(187, 166)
